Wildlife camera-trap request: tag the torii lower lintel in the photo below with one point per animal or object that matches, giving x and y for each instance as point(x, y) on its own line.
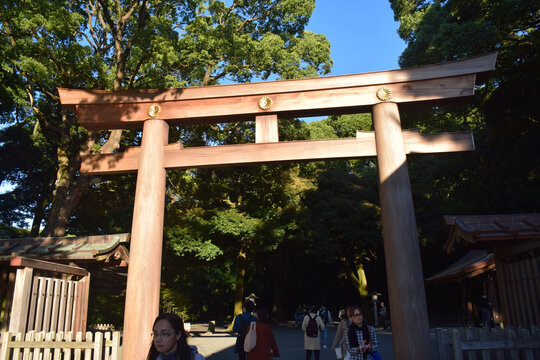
point(363, 146)
point(379, 91)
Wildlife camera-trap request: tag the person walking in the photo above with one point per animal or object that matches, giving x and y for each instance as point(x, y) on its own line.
point(383, 316)
point(484, 307)
point(241, 325)
point(342, 314)
point(326, 318)
point(299, 316)
point(361, 339)
point(339, 345)
point(266, 346)
point(312, 326)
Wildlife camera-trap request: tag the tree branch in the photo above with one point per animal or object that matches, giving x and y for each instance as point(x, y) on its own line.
point(113, 143)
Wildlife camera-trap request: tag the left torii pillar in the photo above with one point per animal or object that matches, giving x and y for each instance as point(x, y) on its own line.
point(144, 271)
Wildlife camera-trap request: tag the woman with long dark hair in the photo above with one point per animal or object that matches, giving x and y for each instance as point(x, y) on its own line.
point(170, 340)
point(361, 339)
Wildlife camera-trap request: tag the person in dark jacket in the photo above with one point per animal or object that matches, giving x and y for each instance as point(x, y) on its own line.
point(241, 326)
point(484, 307)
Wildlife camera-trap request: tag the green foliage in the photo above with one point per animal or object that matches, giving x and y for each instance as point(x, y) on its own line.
point(106, 306)
point(200, 290)
point(108, 206)
point(189, 234)
point(283, 218)
point(347, 125)
point(26, 163)
point(105, 45)
point(342, 223)
point(340, 126)
point(342, 216)
point(7, 232)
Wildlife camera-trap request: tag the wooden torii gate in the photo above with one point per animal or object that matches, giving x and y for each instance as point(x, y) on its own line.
point(378, 92)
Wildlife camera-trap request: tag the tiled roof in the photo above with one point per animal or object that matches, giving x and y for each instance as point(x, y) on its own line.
point(68, 249)
point(474, 263)
point(475, 229)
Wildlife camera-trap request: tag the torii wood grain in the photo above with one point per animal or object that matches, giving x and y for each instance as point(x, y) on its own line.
point(475, 65)
point(177, 157)
point(242, 108)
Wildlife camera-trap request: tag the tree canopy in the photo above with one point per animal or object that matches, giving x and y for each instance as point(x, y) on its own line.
point(106, 44)
point(503, 174)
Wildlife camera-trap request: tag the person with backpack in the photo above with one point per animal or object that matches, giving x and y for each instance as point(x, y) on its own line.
point(241, 326)
point(312, 325)
point(326, 318)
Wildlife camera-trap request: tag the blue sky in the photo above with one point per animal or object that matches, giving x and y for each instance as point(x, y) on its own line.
point(362, 33)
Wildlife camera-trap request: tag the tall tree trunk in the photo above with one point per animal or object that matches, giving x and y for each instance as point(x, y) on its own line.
point(69, 188)
point(66, 195)
point(357, 278)
point(278, 310)
point(39, 213)
point(241, 261)
point(56, 226)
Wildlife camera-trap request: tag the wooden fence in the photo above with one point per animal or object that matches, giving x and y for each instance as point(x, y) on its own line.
point(60, 346)
point(475, 343)
point(48, 297)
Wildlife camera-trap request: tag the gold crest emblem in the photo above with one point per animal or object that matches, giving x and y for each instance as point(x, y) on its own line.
point(153, 110)
point(265, 103)
point(384, 94)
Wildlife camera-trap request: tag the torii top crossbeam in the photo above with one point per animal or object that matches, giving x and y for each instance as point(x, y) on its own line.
point(99, 110)
point(380, 92)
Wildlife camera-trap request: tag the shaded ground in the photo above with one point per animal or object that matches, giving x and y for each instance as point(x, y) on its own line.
point(219, 345)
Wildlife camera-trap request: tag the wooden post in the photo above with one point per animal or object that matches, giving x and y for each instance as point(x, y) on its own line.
point(21, 300)
point(81, 304)
point(144, 271)
point(410, 325)
point(266, 129)
point(9, 299)
point(84, 302)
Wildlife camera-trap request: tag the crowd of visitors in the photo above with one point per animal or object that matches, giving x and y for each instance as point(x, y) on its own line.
point(354, 338)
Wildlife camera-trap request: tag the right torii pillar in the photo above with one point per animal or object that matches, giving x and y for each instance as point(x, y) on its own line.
point(401, 248)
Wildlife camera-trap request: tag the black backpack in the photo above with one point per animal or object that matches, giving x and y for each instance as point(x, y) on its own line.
point(312, 328)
